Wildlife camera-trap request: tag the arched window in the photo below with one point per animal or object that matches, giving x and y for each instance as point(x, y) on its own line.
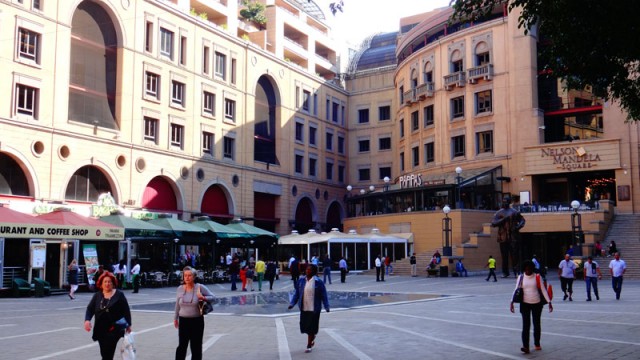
point(12, 178)
point(264, 142)
point(93, 67)
point(87, 184)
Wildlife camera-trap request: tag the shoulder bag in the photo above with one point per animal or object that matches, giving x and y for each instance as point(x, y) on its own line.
point(205, 306)
point(518, 294)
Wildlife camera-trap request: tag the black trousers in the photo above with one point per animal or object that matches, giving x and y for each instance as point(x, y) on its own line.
point(566, 284)
point(190, 331)
point(378, 268)
point(108, 344)
point(343, 275)
point(529, 311)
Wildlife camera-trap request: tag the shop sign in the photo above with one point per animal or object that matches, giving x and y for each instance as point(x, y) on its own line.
point(409, 181)
point(571, 158)
point(37, 231)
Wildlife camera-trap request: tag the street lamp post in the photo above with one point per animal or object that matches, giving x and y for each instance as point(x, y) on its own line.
point(350, 205)
point(459, 204)
point(175, 250)
point(576, 229)
point(386, 200)
point(446, 232)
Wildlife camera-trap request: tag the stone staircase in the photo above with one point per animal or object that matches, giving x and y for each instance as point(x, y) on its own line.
point(625, 231)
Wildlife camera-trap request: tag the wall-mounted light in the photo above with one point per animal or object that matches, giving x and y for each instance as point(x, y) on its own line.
point(362, 191)
point(372, 188)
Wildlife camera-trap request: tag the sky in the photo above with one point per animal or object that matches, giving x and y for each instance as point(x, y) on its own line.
point(361, 18)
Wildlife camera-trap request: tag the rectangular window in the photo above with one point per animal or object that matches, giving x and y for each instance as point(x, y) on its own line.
point(329, 171)
point(363, 116)
point(428, 77)
point(313, 163)
point(151, 129)
point(384, 113)
point(457, 107)
point(208, 103)
point(483, 59)
point(415, 121)
point(306, 100)
point(299, 165)
point(364, 174)
point(177, 136)
point(166, 43)
point(329, 142)
point(148, 36)
point(401, 125)
point(401, 94)
point(384, 143)
point(27, 100)
point(230, 109)
point(483, 102)
point(183, 50)
point(229, 148)
point(177, 93)
point(234, 69)
point(315, 104)
point(340, 144)
point(428, 115)
point(36, 5)
point(207, 143)
point(402, 161)
point(384, 171)
point(484, 142)
point(221, 65)
point(363, 146)
point(341, 173)
point(299, 132)
point(205, 60)
point(335, 112)
point(328, 110)
point(152, 86)
point(29, 46)
point(313, 134)
point(457, 146)
point(456, 66)
point(429, 153)
point(415, 155)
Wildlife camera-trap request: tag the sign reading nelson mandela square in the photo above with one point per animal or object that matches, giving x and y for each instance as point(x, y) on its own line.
point(571, 157)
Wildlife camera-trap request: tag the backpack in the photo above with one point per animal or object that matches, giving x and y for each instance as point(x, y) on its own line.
point(549, 290)
point(249, 273)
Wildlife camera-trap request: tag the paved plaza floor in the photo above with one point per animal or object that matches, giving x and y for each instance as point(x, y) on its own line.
point(401, 318)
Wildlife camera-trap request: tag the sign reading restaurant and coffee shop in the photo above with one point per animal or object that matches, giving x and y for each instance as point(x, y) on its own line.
point(587, 156)
point(39, 231)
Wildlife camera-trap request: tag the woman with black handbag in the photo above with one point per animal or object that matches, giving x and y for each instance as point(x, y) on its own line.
point(189, 318)
point(112, 315)
point(532, 296)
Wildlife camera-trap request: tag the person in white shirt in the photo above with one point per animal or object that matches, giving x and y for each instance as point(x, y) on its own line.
point(617, 268)
point(135, 271)
point(567, 272)
point(119, 271)
point(379, 268)
point(591, 275)
point(534, 297)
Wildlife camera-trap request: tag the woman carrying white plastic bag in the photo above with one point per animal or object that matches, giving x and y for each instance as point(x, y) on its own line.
point(128, 349)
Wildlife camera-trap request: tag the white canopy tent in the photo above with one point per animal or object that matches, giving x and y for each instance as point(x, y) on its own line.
point(336, 237)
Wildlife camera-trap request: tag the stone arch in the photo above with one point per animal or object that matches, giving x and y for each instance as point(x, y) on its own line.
point(306, 214)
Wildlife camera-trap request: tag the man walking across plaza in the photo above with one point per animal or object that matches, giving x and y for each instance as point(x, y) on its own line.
point(343, 269)
point(326, 269)
point(567, 272)
point(491, 263)
point(617, 268)
point(378, 268)
point(591, 276)
point(412, 261)
point(261, 267)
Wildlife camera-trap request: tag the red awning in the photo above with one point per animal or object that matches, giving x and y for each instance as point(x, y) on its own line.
point(11, 216)
point(67, 217)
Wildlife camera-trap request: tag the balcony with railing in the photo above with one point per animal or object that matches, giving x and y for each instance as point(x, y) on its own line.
point(456, 79)
point(425, 90)
point(480, 72)
point(409, 96)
